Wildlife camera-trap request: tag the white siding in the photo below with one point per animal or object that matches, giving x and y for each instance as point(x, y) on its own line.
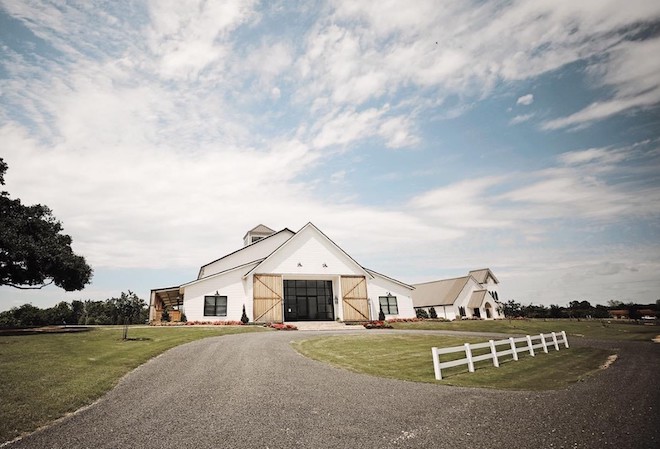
point(311, 250)
point(237, 290)
point(379, 286)
point(256, 251)
point(448, 312)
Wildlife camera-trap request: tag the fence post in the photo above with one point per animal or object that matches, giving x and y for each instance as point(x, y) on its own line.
point(436, 363)
point(554, 341)
point(468, 355)
point(545, 346)
point(493, 351)
point(563, 334)
point(529, 342)
point(513, 348)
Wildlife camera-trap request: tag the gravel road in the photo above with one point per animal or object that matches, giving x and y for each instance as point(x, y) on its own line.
point(255, 391)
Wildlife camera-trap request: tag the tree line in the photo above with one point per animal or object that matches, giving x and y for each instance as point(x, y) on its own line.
point(128, 308)
point(575, 309)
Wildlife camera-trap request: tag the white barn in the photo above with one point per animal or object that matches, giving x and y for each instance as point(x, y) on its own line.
point(471, 296)
point(285, 276)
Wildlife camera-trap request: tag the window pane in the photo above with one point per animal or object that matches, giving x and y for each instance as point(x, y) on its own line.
point(394, 309)
point(209, 305)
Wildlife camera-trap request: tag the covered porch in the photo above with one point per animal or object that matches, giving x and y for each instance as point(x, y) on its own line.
point(169, 298)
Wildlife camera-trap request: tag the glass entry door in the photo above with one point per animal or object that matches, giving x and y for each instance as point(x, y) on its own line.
point(308, 301)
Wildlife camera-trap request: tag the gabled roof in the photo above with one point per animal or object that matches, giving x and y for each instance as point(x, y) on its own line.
point(438, 293)
point(260, 229)
point(476, 299)
point(288, 242)
point(375, 273)
point(258, 242)
point(221, 273)
point(482, 274)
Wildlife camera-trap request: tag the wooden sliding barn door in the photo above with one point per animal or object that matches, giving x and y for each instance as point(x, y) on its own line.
point(354, 298)
point(267, 294)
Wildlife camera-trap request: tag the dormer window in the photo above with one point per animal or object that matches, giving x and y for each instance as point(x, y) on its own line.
point(257, 233)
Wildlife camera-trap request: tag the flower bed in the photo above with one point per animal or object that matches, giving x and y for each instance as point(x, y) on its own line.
point(377, 325)
point(215, 323)
point(404, 320)
point(281, 326)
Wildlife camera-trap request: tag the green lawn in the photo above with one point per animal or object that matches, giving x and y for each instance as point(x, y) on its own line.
point(408, 357)
point(590, 329)
point(46, 376)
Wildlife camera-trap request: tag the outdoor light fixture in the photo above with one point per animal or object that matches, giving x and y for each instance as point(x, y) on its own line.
point(299, 264)
point(325, 265)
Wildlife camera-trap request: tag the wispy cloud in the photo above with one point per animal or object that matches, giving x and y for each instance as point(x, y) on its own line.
point(521, 118)
point(631, 71)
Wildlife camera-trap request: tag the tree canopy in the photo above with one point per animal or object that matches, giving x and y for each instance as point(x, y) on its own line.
point(33, 250)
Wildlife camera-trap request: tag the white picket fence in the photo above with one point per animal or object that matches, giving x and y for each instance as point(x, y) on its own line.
point(543, 341)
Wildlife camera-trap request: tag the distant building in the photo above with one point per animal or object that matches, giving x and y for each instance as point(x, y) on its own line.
point(471, 296)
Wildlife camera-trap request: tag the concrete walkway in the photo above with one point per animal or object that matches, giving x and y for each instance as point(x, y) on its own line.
point(255, 391)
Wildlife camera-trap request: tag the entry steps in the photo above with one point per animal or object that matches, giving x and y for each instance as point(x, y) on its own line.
point(325, 326)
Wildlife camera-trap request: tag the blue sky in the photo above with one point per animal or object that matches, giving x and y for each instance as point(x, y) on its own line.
point(425, 138)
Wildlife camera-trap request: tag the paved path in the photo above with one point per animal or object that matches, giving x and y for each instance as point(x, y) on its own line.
point(254, 391)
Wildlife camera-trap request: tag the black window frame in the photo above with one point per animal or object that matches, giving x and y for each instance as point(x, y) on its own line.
point(461, 311)
point(387, 308)
point(216, 306)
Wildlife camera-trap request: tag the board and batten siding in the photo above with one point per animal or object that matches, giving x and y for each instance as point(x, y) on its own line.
point(306, 255)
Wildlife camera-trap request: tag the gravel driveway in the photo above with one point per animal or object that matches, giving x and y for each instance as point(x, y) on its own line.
point(255, 391)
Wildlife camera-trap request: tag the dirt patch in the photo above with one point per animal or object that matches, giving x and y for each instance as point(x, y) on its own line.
point(611, 359)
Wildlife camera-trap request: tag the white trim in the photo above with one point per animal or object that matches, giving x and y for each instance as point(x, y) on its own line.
point(309, 225)
point(221, 273)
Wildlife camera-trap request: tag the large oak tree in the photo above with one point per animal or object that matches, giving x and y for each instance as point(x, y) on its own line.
point(33, 250)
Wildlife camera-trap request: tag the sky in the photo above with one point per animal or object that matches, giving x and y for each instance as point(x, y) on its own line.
point(425, 138)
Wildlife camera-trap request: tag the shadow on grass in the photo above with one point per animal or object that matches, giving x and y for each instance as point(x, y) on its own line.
point(43, 330)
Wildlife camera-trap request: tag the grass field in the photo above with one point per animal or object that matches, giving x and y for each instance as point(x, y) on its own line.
point(408, 357)
point(46, 376)
point(589, 329)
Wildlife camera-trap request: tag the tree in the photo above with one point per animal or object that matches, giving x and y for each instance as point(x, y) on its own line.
point(432, 313)
point(33, 251)
point(512, 309)
point(421, 313)
point(244, 317)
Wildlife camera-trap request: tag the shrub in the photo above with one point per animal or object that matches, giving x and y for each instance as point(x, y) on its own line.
point(165, 316)
point(432, 313)
point(184, 318)
point(244, 317)
point(421, 313)
point(381, 315)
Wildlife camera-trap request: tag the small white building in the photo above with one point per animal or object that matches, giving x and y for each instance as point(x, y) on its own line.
point(285, 276)
point(471, 296)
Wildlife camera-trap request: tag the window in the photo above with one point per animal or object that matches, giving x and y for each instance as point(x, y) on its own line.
point(477, 313)
point(388, 305)
point(215, 305)
point(256, 238)
point(461, 311)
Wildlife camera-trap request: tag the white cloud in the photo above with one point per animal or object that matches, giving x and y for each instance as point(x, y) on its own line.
point(525, 100)
point(521, 118)
point(631, 70)
point(591, 155)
